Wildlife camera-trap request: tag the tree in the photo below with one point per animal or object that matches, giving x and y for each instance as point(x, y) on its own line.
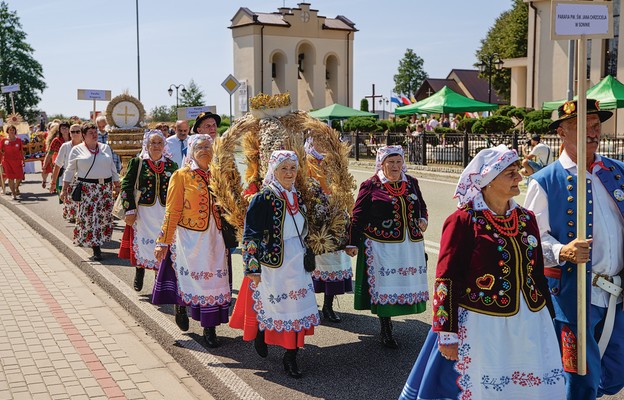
point(193, 97)
point(410, 74)
point(17, 65)
point(507, 38)
point(364, 105)
point(163, 114)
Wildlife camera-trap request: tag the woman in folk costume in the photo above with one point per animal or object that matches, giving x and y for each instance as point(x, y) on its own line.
point(143, 220)
point(389, 218)
point(276, 304)
point(492, 335)
point(196, 272)
point(333, 272)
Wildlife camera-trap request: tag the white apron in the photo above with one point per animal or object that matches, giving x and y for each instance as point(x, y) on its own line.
point(513, 357)
point(397, 272)
point(200, 263)
point(284, 298)
point(146, 230)
point(333, 267)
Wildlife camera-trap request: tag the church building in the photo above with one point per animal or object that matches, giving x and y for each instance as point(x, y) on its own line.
point(293, 50)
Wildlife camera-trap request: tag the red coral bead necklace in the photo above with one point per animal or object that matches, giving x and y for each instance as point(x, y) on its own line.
point(497, 222)
point(400, 191)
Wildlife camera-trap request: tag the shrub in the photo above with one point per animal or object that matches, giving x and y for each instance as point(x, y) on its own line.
point(540, 126)
point(364, 105)
point(518, 113)
point(504, 111)
point(465, 124)
point(537, 115)
point(363, 124)
point(441, 129)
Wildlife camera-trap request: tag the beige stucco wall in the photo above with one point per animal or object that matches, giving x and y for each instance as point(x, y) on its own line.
point(546, 76)
point(254, 47)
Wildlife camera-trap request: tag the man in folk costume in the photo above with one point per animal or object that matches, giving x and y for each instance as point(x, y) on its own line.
point(551, 196)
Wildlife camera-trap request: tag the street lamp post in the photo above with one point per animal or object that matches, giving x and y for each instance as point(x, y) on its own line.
point(176, 89)
point(487, 65)
point(383, 102)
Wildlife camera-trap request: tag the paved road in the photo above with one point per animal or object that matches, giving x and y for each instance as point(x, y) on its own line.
point(342, 361)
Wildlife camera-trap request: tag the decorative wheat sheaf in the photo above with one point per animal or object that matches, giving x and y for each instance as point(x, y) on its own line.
point(261, 136)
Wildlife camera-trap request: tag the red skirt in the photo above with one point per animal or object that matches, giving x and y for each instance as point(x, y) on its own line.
point(125, 249)
point(244, 317)
point(13, 169)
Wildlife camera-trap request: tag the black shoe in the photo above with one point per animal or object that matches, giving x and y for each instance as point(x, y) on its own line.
point(210, 335)
point(290, 364)
point(386, 333)
point(97, 254)
point(330, 315)
point(181, 318)
point(260, 345)
point(139, 274)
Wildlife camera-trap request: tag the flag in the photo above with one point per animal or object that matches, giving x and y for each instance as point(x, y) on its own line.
point(395, 99)
point(413, 99)
point(405, 100)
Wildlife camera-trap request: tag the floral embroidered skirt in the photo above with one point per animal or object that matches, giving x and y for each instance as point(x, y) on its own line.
point(283, 304)
point(513, 357)
point(391, 278)
point(94, 222)
point(333, 273)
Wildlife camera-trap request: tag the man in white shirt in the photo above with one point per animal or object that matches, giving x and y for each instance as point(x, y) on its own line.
point(538, 158)
point(551, 196)
point(178, 143)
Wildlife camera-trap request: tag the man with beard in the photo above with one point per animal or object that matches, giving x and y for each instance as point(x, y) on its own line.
point(551, 196)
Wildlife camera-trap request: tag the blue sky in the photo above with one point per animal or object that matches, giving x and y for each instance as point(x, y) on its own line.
point(90, 44)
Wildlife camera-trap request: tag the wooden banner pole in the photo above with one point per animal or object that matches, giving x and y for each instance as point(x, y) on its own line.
point(581, 205)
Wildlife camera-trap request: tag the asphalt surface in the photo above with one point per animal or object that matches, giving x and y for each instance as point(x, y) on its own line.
point(341, 361)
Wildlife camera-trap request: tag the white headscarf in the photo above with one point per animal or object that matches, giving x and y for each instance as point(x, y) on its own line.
point(483, 168)
point(385, 152)
point(278, 157)
point(193, 139)
point(144, 155)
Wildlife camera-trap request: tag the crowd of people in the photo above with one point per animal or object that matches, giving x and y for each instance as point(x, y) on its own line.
point(505, 292)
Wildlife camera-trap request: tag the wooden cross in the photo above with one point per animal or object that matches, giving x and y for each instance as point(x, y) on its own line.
point(373, 97)
point(126, 115)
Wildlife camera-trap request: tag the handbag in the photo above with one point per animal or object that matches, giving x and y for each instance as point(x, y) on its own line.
point(309, 258)
point(119, 211)
point(76, 194)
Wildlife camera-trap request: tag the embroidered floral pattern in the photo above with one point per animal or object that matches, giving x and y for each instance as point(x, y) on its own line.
point(332, 276)
point(280, 325)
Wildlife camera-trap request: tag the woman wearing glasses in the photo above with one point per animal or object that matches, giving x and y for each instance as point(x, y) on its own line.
point(196, 272)
point(70, 207)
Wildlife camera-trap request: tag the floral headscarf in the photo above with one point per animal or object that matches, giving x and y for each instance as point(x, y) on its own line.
point(193, 140)
point(278, 157)
point(146, 137)
point(309, 149)
point(483, 168)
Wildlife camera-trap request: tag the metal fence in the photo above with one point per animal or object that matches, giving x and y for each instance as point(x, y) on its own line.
point(457, 149)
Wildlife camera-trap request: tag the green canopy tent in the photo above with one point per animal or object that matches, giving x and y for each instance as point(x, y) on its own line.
point(338, 111)
point(609, 92)
point(443, 102)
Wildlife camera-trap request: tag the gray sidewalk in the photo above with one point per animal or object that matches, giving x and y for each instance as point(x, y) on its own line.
point(62, 336)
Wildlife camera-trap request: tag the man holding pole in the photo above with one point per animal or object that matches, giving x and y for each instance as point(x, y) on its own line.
point(552, 196)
